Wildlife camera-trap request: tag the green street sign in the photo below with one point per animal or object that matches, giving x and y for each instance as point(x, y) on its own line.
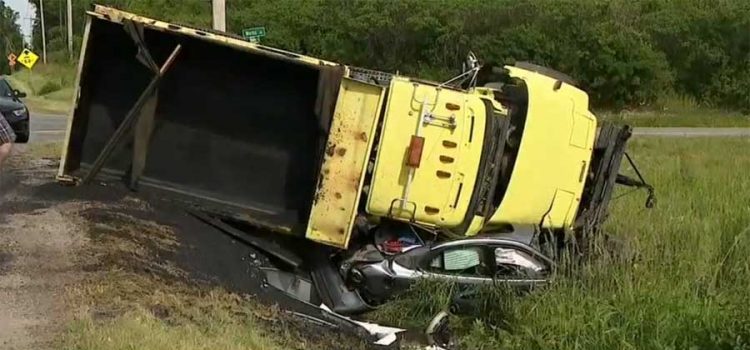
point(253, 34)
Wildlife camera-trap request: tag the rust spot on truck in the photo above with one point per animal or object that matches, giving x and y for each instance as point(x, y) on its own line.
point(330, 150)
point(337, 195)
point(362, 136)
point(341, 152)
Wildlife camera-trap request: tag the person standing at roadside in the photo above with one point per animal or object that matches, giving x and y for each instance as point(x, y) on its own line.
point(7, 137)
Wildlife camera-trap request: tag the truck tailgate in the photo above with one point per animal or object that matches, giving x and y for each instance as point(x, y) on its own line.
point(345, 162)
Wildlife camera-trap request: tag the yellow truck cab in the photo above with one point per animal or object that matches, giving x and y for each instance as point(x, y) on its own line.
point(378, 168)
point(467, 161)
point(481, 163)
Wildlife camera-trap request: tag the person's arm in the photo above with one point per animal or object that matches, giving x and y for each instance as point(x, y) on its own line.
point(7, 137)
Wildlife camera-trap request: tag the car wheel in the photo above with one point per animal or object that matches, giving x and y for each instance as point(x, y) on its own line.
point(22, 137)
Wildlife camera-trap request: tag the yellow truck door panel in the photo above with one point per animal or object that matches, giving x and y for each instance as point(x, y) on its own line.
point(451, 127)
point(345, 162)
point(558, 139)
point(558, 211)
point(583, 128)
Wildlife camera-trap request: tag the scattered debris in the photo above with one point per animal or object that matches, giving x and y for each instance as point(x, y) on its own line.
point(438, 331)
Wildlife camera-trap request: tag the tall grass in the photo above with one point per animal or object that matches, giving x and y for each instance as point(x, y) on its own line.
point(686, 284)
point(678, 111)
point(49, 88)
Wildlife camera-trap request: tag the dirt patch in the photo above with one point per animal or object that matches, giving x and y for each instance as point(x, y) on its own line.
point(40, 250)
point(76, 261)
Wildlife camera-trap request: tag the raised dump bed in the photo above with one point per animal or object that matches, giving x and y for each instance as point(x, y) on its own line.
point(233, 124)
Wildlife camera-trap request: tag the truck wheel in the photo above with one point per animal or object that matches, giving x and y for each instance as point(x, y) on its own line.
point(547, 71)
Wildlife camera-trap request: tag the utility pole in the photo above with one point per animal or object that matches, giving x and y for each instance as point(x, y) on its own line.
point(220, 15)
point(70, 29)
point(44, 35)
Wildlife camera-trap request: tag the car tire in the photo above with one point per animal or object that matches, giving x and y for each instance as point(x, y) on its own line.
point(22, 137)
point(548, 72)
point(22, 131)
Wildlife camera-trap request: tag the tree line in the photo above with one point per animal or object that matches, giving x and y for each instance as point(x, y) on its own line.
point(11, 39)
point(625, 53)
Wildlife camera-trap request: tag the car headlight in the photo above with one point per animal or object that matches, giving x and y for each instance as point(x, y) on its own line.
point(19, 112)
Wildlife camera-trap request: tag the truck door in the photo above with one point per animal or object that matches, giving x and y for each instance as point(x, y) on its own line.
point(428, 155)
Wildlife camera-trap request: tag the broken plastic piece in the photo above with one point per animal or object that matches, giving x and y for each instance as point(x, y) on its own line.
point(291, 284)
point(438, 331)
point(384, 335)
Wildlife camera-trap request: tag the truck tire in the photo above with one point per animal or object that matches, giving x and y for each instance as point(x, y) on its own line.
point(548, 72)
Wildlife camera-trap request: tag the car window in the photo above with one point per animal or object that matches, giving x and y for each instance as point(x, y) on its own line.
point(5, 89)
point(512, 263)
point(465, 261)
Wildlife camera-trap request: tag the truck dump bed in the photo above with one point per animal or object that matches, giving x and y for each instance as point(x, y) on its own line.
point(234, 124)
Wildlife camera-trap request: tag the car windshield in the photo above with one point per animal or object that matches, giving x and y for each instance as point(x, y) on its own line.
point(5, 89)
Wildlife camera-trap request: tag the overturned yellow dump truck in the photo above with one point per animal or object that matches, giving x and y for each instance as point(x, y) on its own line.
point(396, 178)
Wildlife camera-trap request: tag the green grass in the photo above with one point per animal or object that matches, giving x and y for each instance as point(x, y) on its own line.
point(685, 285)
point(46, 150)
point(215, 321)
point(678, 112)
point(133, 298)
point(49, 88)
point(119, 306)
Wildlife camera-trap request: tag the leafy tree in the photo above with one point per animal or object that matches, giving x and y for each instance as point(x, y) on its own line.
point(623, 52)
point(11, 39)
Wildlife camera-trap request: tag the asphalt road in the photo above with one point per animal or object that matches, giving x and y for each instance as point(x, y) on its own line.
point(48, 128)
point(51, 128)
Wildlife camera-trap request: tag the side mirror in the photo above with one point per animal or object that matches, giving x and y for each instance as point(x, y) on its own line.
point(19, 94)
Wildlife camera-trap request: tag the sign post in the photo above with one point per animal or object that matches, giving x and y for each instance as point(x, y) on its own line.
point(11, 61)
point(254, 34)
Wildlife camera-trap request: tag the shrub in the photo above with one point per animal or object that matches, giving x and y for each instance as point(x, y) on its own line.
point(48, 87)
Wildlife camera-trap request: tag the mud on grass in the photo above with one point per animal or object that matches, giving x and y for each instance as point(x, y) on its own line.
point(150, 276)
point(139, 295)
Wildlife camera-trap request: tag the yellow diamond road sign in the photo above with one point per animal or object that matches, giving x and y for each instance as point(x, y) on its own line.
point(28, 58)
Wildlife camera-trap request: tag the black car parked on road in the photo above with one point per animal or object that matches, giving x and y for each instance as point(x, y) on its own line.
point(14, 111)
